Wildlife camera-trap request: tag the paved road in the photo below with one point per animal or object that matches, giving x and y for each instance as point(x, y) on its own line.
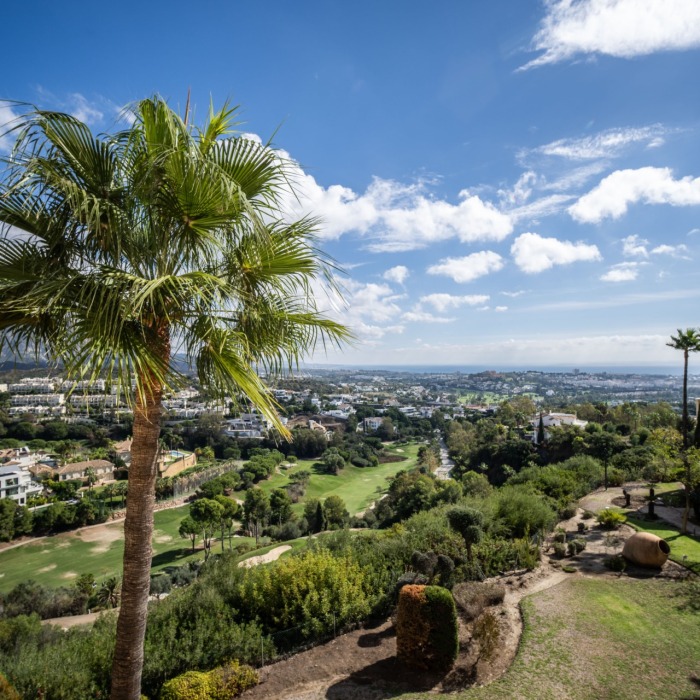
point(446, 463)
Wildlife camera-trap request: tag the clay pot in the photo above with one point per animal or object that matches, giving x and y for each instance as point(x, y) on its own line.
point(646, 549)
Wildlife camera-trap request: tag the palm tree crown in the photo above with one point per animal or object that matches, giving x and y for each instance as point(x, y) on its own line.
point(158, 239)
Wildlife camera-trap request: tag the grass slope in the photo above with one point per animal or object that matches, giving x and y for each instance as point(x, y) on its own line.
point(587, 639)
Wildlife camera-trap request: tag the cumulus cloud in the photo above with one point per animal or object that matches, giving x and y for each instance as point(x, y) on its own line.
point(604, 144)
point(368, 309)
point(534, 253)
point(469, 267)
point(397, 274)
point(621, 28)
point(501, 309)
point(623, 272)
point(443, 302)
point(514, 295)
point(614, 193)
point(394, 216)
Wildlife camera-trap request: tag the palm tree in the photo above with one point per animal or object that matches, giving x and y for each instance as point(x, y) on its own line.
point(688, 341)
point(109, 592)
point(159, 239)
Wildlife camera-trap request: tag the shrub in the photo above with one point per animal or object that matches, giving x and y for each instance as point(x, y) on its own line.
point(576, 546)
point(587, 514)
point(486, 634)
point(616, 477)
point(302, 592)
point(568, 569)
point(559, 549)
point(615, 563)
point(7, 692)
point(559, 535)
point(473, 597)
point(582, 527)
point(522, 512)
point(610, 519)
point(232, 679)
point(568, 511)
point(193, 685)
point(426, 627)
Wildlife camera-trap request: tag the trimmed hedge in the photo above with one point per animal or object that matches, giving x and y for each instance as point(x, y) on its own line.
point(426, 627)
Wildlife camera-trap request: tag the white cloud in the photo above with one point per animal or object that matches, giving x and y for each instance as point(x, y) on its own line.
point(534, 253)
point(542, 207)
point(443, 302)
point(501, 309)
point(394, 216)
point(83, 110)
point(604, 144)
point(635, 247)
point(623, 272)
point(520, 192)
point(675, 251)
point(7, 118)
point(621, 28)
point(614, 193)
point(369, 310)
point(469, 267)
point(514, 295)
point(425, 317)
point(397, 274)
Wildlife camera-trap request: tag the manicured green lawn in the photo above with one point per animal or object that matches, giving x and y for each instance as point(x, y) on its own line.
point(57, 560)
point(588, 639)
point(681, 545)
point(357, 486)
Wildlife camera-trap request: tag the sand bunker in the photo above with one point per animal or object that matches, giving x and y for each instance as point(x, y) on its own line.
point(46, 569)
point(272, 555)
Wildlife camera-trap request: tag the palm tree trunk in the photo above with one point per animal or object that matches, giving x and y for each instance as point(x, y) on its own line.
point(138, 530)
point(685, 400)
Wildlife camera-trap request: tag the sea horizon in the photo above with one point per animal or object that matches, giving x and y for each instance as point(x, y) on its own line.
point(650, 369)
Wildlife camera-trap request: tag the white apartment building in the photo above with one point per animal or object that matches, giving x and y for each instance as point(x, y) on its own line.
point(32, 385)
point(96, 385)
point(85, 400)
point(16, 483)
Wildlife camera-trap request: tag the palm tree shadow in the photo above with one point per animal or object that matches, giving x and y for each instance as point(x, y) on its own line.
point(695, 680)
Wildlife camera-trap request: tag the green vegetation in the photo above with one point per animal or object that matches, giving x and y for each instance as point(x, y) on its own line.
point(58, 560)
point(357, 486)
point(681, 545)
point(592, 638)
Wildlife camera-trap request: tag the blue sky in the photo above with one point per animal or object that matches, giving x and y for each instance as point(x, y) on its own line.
point(511, 182)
